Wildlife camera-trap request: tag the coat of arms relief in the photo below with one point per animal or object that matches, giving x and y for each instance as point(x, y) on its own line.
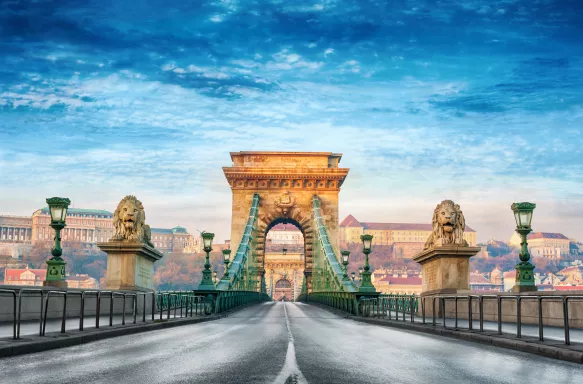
point(285, 203)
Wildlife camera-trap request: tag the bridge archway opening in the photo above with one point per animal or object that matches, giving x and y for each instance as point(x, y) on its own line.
point(283, 258)
point(283, 291)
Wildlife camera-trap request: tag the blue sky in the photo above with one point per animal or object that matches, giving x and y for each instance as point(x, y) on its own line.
point(478, 101)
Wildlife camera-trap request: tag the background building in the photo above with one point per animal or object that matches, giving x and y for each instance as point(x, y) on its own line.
point(389, 281)
point(33, 277)
point(85, 226)
point(285, 234)
point(406, 239)
point(545, 243)
point(82, 281)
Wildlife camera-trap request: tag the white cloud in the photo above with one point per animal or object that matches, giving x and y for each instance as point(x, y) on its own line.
point(216, 18)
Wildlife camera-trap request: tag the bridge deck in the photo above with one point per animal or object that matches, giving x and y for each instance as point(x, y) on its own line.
point(271, 342)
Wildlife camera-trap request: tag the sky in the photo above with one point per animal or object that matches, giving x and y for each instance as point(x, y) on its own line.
point(478, 101)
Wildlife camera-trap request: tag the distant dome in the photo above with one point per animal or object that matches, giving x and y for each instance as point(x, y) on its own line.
point(179, 229)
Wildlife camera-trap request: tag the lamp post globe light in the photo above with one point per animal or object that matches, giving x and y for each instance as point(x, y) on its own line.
point(524, 270)
point(345, 255)
point(207, 279)
point(284, 251)
point(227, 260)
point(353, 276)
point(365, 281)
point(56, 265)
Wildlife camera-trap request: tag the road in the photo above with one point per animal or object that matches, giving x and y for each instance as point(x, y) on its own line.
point(284, 343)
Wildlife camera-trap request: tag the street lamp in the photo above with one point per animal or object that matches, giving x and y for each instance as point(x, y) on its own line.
point(227, 260)
point(365, 283)
point(56, 265)
point(353, 275)
point(524, 281)
point(215, 276)
point(345, 255)
point(207, 281)
point(284, 251)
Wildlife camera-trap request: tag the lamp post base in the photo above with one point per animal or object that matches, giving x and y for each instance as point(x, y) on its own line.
point(207, 281)
point(524, 278)
point(365, 283)
point(56, 273)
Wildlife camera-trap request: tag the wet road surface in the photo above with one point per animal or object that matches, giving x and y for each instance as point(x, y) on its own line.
point(284, 343)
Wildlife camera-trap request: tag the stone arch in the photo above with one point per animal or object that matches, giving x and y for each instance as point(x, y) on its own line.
point(286, 183)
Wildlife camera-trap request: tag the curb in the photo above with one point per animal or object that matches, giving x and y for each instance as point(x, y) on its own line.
point(552, 348)
point(54, 340)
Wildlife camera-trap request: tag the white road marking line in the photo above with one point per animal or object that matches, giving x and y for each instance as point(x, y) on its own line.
point(290, 368)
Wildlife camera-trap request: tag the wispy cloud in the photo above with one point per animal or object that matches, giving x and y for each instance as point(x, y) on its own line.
point(425, 103)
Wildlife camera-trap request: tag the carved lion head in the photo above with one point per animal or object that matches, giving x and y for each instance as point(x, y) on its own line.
point(129, 218)
point(448, 225)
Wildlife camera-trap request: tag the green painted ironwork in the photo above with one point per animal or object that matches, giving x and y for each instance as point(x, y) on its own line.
point(206, 302)
point(366, 304)
point(328, 274)
point(241, 267)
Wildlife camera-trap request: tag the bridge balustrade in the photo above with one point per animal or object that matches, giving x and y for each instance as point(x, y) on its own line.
point(188, 304)
point(417, 308)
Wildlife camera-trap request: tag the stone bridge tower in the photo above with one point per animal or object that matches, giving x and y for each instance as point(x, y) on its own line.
point(286, 183)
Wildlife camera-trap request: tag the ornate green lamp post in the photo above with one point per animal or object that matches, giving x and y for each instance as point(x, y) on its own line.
point(345, 255)
point(227, 260)
point(353, 276)
point(524, 270)
point(365, 282)
point(207, 279)
point(56, 265)
point(215, 277)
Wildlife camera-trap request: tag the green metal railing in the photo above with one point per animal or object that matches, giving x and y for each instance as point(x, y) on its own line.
point(233, 299)
point(366, 305)
point(345, 301)
point(199, 303)
point(385, 306)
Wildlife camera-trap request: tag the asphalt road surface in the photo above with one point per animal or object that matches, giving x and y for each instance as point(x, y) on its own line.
point(284, 343)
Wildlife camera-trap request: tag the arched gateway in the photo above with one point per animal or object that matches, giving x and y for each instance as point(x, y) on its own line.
point(286, 183)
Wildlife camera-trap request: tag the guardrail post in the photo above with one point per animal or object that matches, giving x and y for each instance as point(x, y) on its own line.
point(540, 318)
point(470, 313)
point(566, 320)
point(518, 317)
point(499, 315)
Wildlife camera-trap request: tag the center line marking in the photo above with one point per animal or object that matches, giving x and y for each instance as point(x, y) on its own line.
point(290, 368)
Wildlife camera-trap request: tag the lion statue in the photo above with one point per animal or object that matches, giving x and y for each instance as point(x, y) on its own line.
point(129, 222)
point(448, 226)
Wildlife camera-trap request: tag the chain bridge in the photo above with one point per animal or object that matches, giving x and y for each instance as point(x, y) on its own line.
point(336, 330)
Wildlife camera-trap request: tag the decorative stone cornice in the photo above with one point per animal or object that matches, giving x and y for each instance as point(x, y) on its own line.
point(285, 178)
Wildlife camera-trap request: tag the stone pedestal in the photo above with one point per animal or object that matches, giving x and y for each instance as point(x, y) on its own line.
point(130, 265)
point(446, 269)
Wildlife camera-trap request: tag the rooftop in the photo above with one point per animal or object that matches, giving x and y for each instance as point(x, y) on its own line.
point(82, 211)
point(14, 274)
point(161, 230)
point(477, 278)
point(547, 235)
point(409, 280)
point(350, 221)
